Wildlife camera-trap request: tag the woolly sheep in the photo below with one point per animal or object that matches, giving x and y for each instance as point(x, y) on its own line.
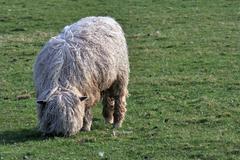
point(87, 62)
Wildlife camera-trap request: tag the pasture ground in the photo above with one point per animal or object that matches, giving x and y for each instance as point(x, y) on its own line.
point(184, 88)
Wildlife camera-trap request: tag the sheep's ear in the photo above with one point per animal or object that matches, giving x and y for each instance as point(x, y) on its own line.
point(41, 102)
point(43, 97)
point(83, 98)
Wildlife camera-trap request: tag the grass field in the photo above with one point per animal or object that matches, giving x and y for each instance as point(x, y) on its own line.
point(184, 84)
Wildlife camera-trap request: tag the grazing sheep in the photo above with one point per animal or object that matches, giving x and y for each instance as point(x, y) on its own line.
point(87, 62)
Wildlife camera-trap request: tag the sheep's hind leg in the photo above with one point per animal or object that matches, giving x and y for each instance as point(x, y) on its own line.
point(120, 92)
point(87, 120)
point(108, 107)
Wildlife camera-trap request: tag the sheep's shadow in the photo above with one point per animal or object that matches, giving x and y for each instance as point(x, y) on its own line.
point(22, 135)
point(32, 134)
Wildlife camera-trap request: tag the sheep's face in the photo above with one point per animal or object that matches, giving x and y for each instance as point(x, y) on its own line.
point(62, 114)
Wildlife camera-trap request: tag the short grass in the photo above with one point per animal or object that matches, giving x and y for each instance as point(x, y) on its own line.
point(184, 88)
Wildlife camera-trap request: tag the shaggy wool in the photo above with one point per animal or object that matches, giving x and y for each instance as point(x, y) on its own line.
point(87, 62)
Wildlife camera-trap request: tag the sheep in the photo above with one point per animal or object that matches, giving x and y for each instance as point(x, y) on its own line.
point(86, 63)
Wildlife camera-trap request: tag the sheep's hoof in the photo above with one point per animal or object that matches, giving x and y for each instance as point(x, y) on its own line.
point(86, 129)
point(109, 121)
point(117, 125)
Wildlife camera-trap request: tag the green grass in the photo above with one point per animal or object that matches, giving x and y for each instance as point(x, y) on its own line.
point(184, 87)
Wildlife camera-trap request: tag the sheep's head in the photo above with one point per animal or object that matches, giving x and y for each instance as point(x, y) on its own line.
point(61, 113)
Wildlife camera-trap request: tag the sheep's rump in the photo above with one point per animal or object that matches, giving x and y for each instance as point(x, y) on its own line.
point(90, 55)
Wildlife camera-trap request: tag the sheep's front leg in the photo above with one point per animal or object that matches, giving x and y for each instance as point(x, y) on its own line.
point(87, 120)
